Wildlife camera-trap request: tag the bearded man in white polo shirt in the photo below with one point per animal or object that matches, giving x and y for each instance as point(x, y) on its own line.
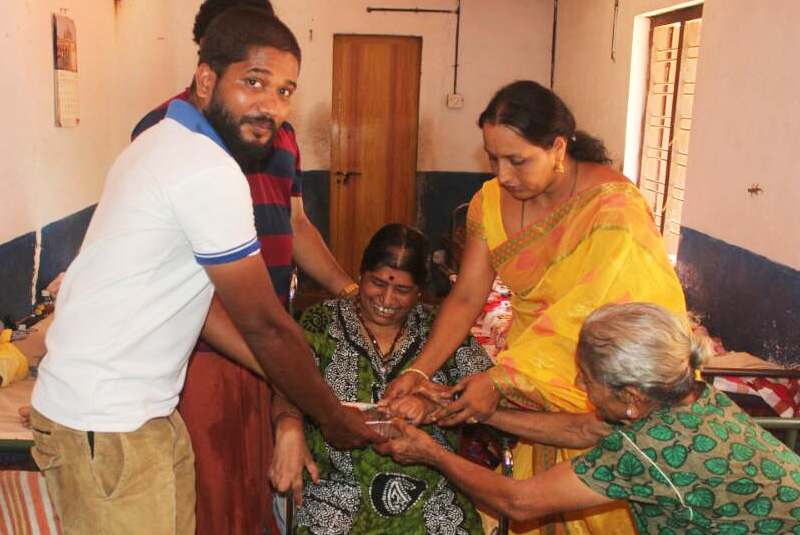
point(174, 224)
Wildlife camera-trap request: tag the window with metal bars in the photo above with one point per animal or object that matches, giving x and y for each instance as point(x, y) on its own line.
point(674, 50)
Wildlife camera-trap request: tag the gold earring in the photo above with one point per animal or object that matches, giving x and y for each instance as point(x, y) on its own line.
point(560, 166)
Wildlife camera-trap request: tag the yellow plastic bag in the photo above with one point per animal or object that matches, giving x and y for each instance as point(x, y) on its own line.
point(13, 364)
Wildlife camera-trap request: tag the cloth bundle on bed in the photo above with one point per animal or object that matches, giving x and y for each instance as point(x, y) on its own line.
point(13, 364)
point(491, 327)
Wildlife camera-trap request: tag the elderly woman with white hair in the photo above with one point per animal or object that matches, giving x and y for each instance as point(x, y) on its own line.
point(685, 457)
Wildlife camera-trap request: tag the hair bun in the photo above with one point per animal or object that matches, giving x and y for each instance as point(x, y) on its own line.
point(700, 350)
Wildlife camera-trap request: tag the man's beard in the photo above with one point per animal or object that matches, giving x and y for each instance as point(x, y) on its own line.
point(246, 153)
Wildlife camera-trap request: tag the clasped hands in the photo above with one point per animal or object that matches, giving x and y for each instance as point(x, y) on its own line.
point(410, 400)
point(472, 400)
point(291, 456)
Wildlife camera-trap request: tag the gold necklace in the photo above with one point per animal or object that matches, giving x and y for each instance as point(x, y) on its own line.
point(571, 193)
point(374, 341)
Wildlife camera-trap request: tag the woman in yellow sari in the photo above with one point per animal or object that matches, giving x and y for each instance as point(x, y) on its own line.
point(567, 234)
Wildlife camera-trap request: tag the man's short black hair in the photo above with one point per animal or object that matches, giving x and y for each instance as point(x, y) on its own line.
point(232, 34)
point(211, 8)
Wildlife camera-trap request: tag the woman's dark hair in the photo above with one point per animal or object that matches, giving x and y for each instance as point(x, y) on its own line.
point(538, 115)
point(232, 34)
point(211, 8)
point(400, 247)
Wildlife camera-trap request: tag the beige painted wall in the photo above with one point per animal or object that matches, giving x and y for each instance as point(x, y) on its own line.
point(594, 86)
point(746, 114)
point(135, 55)
point(125, 62)
point(131, 57)
point(747, 127)
point(501, 41)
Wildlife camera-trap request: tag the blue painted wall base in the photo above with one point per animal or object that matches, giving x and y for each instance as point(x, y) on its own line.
point(438, 194)
point(16, 274)
point(60, 243)
point(750, 302)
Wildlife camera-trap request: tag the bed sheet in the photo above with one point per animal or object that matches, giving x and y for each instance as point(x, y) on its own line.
point(491, 327)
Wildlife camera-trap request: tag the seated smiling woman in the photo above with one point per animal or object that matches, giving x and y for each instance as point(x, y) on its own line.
point(685, 457)
point(360, 346)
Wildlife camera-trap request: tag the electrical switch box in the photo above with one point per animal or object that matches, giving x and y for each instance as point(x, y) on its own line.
point(455, 101)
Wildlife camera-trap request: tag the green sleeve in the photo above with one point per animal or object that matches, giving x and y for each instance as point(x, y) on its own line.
point(316, 322)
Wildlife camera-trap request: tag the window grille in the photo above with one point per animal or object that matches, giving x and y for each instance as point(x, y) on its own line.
point(674, 50)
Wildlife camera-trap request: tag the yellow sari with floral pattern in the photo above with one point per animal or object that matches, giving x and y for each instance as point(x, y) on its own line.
point(599, 246)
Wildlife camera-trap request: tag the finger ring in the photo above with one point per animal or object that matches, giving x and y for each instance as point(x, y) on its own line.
point(472, 420)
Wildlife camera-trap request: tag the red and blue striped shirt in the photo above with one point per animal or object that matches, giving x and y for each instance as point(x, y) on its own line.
point(271, 188)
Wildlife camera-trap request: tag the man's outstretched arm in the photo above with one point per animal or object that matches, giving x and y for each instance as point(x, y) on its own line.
point(278, 343)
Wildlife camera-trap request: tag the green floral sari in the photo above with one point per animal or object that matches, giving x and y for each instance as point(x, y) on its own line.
point(704, 468)
point(360, 491)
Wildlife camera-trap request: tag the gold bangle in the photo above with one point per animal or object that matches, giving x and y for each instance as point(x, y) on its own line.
point(416, 370)
point(348, 291)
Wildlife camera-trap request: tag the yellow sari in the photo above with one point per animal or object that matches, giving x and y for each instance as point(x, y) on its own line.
point(597, 247)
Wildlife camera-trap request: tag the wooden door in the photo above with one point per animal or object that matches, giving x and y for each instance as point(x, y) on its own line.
point(374, 139)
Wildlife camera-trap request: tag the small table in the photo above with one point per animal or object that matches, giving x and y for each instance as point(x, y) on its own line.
point(15, 440)
point(14, 437)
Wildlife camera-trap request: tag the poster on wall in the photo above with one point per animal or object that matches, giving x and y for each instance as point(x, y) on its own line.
point(65, 56)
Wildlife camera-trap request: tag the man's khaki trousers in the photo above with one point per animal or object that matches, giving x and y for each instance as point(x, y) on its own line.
point(119, 483)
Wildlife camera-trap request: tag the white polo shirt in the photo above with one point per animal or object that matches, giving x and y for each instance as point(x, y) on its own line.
point(134, 300)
